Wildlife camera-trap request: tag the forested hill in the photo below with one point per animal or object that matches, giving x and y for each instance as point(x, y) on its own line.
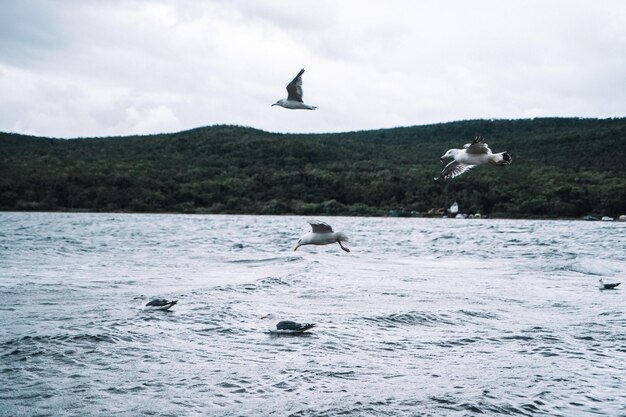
point(562, 168)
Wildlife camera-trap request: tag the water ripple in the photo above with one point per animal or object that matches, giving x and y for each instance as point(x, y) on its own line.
point(423, 317)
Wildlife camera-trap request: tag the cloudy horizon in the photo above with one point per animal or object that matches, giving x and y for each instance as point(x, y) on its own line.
point(88, 68)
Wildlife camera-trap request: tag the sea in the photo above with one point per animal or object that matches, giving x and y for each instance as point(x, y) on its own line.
point(424, 317)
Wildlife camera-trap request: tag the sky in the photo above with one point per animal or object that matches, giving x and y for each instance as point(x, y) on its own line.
point(79, 68)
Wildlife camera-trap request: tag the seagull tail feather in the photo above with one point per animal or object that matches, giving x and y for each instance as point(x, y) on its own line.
point(306, 327)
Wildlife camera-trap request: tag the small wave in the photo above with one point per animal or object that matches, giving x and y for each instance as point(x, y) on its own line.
point(263, 261)
point(479, 314)
point(227, 385)
point(91, 338)
point(516, 242)
point(458, 342)
point(413, 318)
point(590, 267)
point(260, 284)
point(217, 329)
point(492, 409)
point(374, 408)
point(55, 345)
point(341, 375)
point(483, 407)
point(273, 281)
point(517, 337)
point(443, 400)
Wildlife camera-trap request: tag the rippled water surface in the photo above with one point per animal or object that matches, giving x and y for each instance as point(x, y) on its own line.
point(423, 317)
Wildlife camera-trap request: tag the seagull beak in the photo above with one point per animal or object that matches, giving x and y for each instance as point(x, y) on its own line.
point(296, 248)
point(273, 105)
point(441, 159)
point(265, 316)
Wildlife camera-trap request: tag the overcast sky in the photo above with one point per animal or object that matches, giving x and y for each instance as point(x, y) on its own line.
point(101, 68)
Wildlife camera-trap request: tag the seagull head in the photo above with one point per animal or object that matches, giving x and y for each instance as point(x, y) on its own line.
point(279, 102)
point(305, 239)
point(449, 154)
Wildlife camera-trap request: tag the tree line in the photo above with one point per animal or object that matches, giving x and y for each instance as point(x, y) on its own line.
point(562, 168)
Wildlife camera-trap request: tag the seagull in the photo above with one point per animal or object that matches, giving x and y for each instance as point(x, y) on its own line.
point(322, 234)
point(472, 154)
point(294, 96)
point(604, 286)
point(160, 304)
point(287, 326)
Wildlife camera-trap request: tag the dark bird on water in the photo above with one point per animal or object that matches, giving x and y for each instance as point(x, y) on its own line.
point(161, 304)
point(603, 286)
point(287, 326)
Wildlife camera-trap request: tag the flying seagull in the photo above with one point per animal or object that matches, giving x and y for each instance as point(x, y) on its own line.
point(322, 234)
point(472, 154)
point(604, 286)
point(294, 95)
point(287, 326)
point(160, 304)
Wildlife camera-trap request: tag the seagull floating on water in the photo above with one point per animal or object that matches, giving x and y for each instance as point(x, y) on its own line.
point(604, 286)
point(287, 326)
point(294, 95)
point(472, 154)
point(322, 234)
point(161, 304)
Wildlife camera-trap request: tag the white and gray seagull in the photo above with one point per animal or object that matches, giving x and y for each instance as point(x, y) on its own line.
point(294, 95)
point(322, 234)
point(287, 326)
point(603, 286)
point(472, 154)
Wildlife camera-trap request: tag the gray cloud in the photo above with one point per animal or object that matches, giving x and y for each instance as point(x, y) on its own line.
point(91, 68)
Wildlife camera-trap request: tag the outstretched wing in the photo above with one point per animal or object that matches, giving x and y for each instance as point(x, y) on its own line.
point(320, 227)
point(453, 169)
point(475, 141)
point(294, 88)
point(477, 147)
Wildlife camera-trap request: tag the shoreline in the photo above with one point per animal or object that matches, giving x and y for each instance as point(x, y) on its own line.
point(599, 219)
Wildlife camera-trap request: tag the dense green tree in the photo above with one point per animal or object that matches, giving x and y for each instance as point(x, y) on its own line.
point(561, 168)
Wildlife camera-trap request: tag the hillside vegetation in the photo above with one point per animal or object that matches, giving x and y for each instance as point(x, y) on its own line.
point(562, 168)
